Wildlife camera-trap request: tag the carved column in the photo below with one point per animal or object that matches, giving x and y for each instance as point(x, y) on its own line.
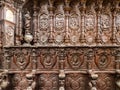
point(93, 81)
point(61, 71)
point(19, 35)
point(51, 10)
point(98, 38)
point(83, 2)
point(90, 56)
point(34, 59)
point(35, 22)
point(67, 9)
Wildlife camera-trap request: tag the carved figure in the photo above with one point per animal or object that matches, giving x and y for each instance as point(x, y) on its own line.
point(27, 21)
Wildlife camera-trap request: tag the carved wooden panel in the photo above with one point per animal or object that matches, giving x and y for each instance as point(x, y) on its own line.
point(76, 81)
point(60, 45)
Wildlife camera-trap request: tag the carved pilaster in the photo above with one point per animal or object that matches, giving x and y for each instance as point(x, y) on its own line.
point(67, 9)
point(34, 59)
point(90, 58)
point(83, 9)
point(7, 59)
point(35, 22)
point(93, 80)
point(51, 10)
point(61, 71)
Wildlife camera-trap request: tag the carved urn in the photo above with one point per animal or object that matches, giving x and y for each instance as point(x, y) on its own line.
point(28, 38)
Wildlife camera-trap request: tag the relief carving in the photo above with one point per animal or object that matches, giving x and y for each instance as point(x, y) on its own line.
point(21, 59)
point(59, 22)
point(75, 81)
point(74, 22)
point(27, 21)
point(44, 22)
point(75, 60)
point(24, 81)
point(48, 59)
point(48, 82)
point(103, 60)
point(9, 35)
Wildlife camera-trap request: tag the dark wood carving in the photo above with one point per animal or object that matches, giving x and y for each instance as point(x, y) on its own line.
point(59, 45)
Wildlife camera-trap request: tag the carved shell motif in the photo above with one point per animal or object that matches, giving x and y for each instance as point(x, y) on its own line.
point(75, 60)
point(48, 60)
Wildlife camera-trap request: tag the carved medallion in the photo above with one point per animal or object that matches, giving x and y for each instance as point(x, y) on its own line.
point(75, 60)
point(21, 60)
point(44, 38)
point(104, 38)
point(74, 39)
point(89, 39)
point(74, 22)
point(103, 61)
point(59, 21)
point(59, 38)
point(44, 21)
point(48, 60)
